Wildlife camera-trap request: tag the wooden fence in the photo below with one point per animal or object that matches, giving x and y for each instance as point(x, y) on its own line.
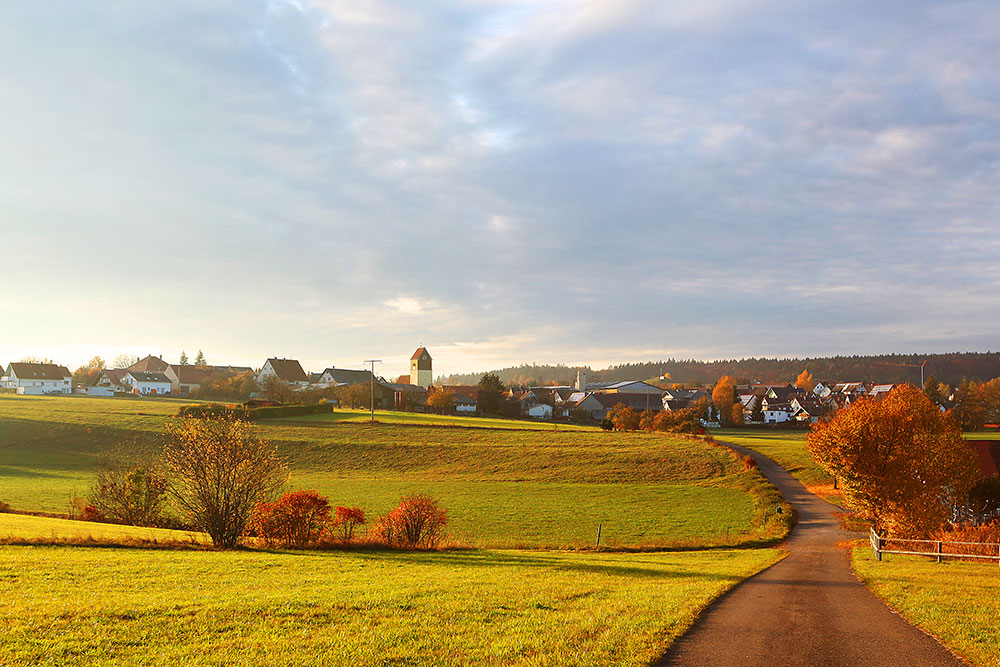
point(939, 549)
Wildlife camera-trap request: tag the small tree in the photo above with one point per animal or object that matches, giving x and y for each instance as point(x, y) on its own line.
point(132, 495)
point(87, 374)
point(441, 400)
point(723, 397)
point(418, 521)
point(276, 390)
point(757, 413)
point(346, 520)
point(647, 420)
point(933, 389)
point(899, 460)
point(736, 418)
point(199, 359)
point(624, 418)
point(124, 361)
point(217, 470)
point(297, 519)
point(184, 358)
point(805, 381)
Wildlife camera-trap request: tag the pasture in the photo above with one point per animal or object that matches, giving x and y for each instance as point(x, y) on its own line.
point(787, 449)
point(86, 606)
point(957, 602)
point(506, 487)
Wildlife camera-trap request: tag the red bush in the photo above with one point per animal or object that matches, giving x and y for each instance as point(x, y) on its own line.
point(346, 519)
point(297, 519)
point(417, 522)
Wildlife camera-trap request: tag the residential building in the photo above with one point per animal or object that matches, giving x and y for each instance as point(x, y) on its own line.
point(36, 379)
point(146, 383)
point(288, 371)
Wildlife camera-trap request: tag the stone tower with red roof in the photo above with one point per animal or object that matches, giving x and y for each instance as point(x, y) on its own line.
point(420, 368)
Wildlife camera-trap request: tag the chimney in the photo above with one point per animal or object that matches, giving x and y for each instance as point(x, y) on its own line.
point(581, 380)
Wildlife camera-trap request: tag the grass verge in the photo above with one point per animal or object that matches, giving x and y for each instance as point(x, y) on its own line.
point(956, 602)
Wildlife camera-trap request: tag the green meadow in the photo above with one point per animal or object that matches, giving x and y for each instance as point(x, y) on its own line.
point(957, 602)
point(88, 606)
point(517, 486)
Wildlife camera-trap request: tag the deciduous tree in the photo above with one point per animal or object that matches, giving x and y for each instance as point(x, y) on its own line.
point(899, 460)
point(133, 495)
point(624, 418)
point(124, 361)
point(723, 397)
point(217, 470)
point(805, 381)
point(297, 519)
point(87, 374)
point(440, 399)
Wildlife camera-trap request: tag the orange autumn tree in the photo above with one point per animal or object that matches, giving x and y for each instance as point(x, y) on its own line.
point(805, 381)
point(901, 461)
point(723, 398)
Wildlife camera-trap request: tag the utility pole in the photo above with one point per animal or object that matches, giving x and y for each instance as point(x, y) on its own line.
point(373, 362)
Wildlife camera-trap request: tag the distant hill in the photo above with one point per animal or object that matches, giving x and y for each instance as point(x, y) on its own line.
point(951, 368)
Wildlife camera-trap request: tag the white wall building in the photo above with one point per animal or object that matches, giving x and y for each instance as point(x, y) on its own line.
point(540, 411)
point(37, 379)
point(146, 383)
point(288, 371)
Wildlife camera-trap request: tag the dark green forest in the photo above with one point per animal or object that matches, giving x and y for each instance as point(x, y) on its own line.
point(950, 368)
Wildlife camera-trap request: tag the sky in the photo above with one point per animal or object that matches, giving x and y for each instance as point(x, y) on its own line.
point(502, 181)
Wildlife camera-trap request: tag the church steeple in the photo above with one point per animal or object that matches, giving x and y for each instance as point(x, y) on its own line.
point(420, 368)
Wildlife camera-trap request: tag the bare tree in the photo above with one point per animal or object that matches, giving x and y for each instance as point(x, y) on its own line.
point(124, 361)
point(217, 470)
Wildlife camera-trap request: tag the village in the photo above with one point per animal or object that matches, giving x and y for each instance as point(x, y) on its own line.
point(790, 403)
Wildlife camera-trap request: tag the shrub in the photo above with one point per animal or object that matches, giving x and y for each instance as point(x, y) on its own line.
point(417, 522)
point(297, 519)
point(80, 510)
point(346, 519)
point(4, 507)
point(218, 469)
point(607, 425)
point(130, 495)
point(624, 418)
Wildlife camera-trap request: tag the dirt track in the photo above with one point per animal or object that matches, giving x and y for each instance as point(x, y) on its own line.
point(809, 609)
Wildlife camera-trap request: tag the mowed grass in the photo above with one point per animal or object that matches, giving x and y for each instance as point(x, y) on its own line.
point(83, 606)
point(386, 417)
point(959, 603)
point(787, 449)
point(25, 527)
point(502, 487)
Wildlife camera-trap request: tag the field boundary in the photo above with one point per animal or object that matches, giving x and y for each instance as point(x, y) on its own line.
point(877, 542)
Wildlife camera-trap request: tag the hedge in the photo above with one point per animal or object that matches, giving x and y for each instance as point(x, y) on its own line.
point(254, 414)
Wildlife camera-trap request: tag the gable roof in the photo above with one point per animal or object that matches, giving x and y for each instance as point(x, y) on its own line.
point(147, 376)
point(420, 350)
point(289, 370)
point(26, 371)
point(468, 390)
point(634, 401)
point(347, 376)
point(151, 364)
point(114, 376)
point(988, 452)
point(192, 374)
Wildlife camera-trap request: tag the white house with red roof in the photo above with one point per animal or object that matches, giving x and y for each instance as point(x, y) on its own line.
point(37, 379)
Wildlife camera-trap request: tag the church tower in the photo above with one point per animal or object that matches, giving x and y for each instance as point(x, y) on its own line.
point(420, 368)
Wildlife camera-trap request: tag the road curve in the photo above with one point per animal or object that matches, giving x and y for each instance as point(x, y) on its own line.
point(808, 609)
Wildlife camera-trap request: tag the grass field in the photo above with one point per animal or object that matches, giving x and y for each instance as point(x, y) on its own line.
point(502, 487)
point(956, 602)
point(83, 606)
point(788, 449)
point(24, 527)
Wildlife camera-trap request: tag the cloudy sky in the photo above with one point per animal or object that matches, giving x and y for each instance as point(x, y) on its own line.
point(503, 181)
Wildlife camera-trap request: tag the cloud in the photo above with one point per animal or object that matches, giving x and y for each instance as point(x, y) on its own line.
point(342, 180)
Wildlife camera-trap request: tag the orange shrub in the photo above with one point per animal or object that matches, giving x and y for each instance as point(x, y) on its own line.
point(346, 519)
point(297, 519)
point(417, 522)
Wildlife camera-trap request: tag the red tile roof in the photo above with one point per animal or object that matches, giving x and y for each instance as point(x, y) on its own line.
point(988, 452)
point(420, 350)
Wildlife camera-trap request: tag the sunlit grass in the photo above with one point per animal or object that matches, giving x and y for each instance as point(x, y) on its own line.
point(957, 602)
point(82, 606)
point(502, 487)
point(24, 527)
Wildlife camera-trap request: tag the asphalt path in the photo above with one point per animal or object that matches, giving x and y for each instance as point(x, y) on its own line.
point(808, 609)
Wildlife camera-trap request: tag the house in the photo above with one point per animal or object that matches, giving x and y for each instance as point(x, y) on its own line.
point(185, 379)
point(540, 411)
point(288, 371)
point(408, 396)
point(625, 387)
point(150, 364)
point(146, 383)
point(582, 401)
point(36, 379)
point(777, 413)
point(465, 405)
point(107, 382)
point(810, 411)
point(386, 394)
point(879, 390)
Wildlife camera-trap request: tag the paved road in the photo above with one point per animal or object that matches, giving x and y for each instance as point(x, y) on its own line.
point(809, 609)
